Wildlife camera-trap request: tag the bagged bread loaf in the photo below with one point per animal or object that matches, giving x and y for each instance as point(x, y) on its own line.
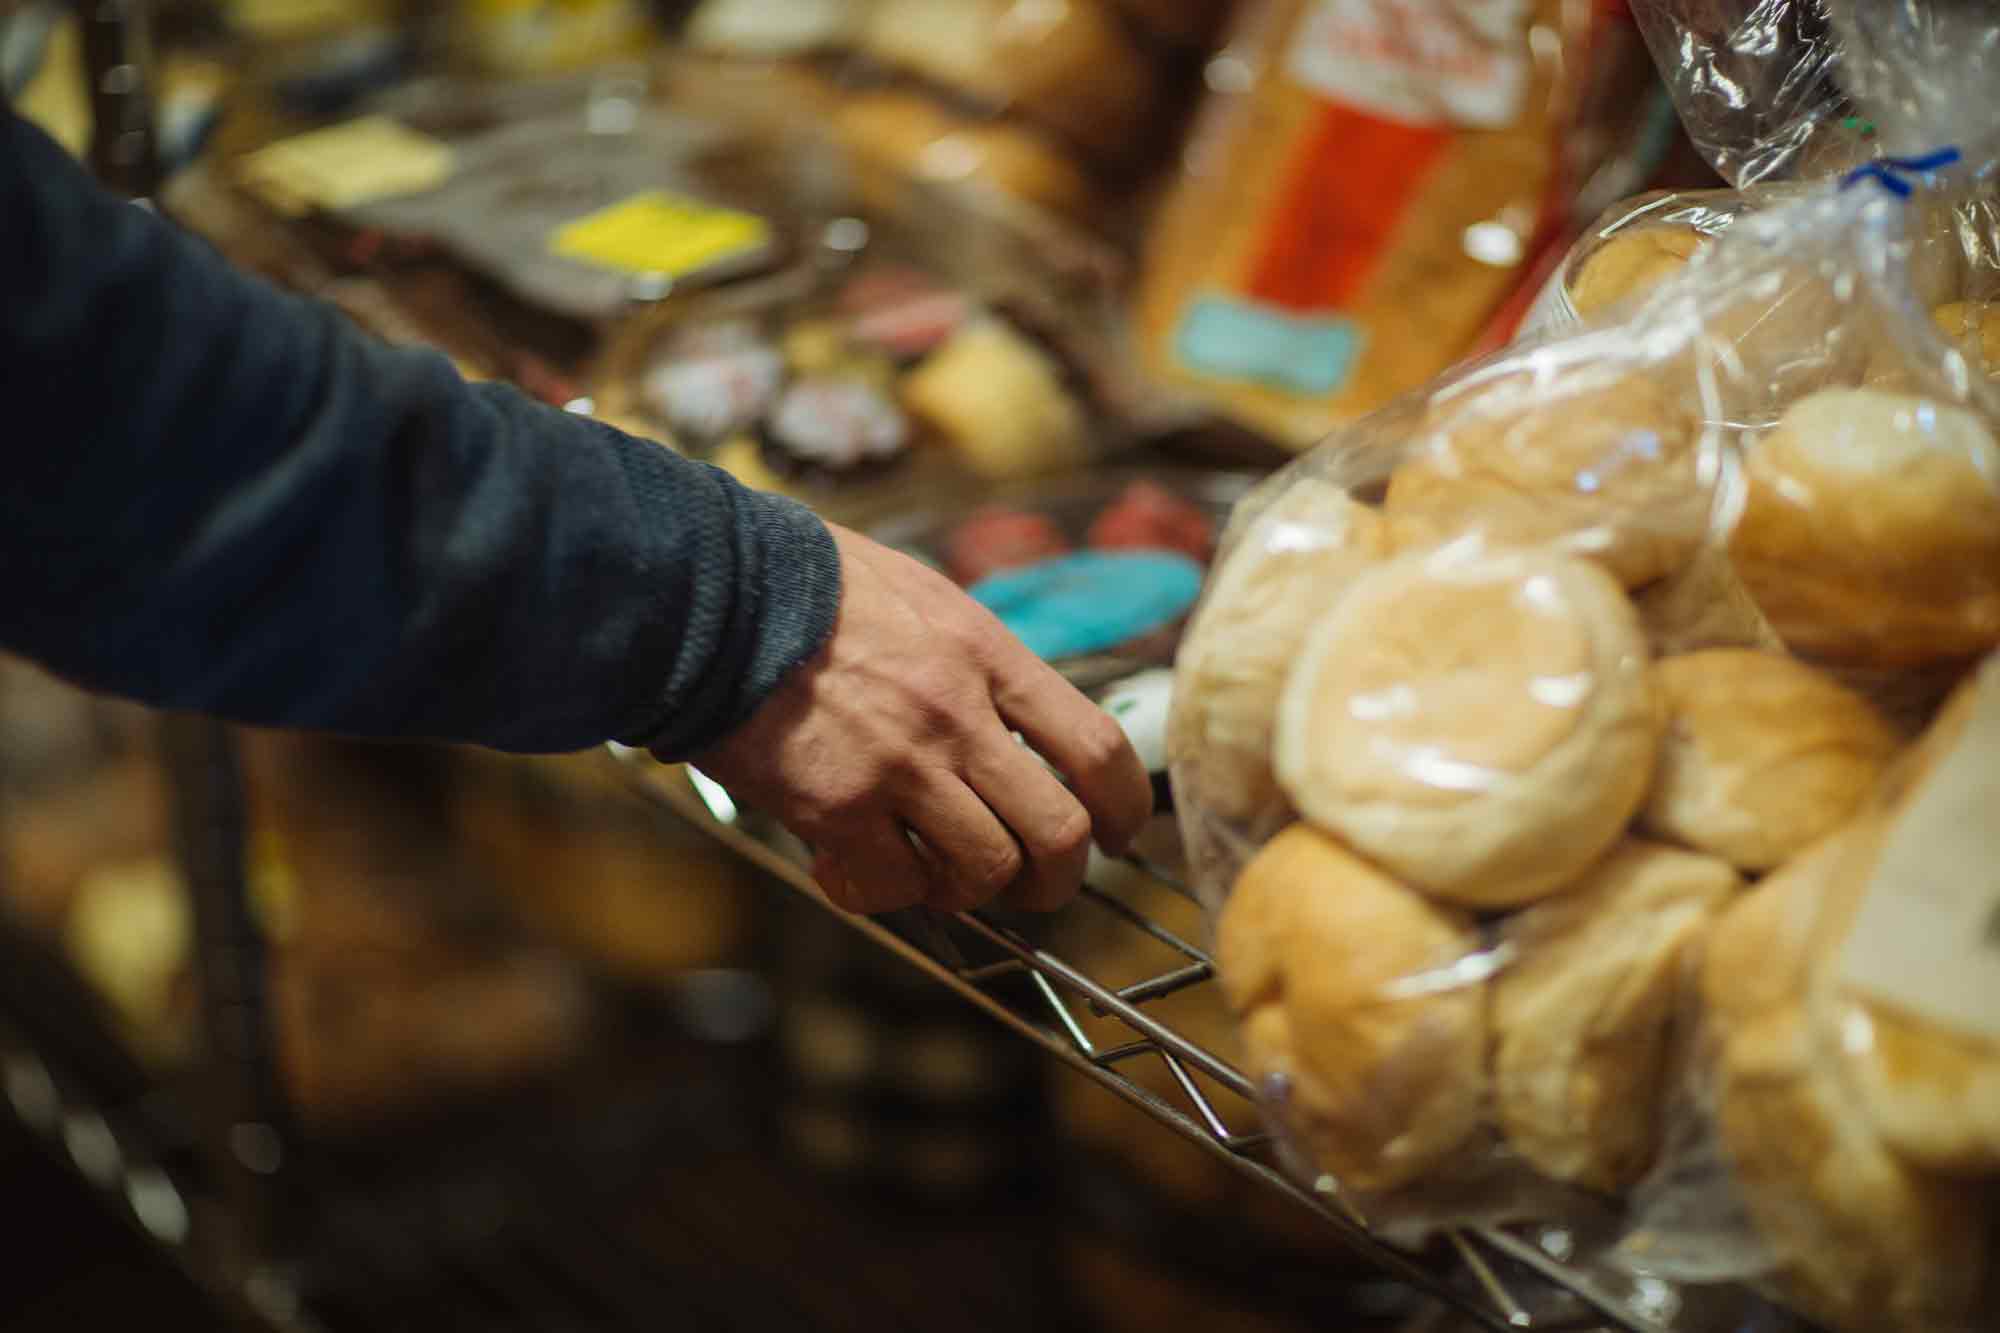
point(1356, 200)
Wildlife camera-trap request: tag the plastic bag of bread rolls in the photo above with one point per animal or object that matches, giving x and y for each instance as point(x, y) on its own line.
point(1768, 93)
point(1497, 701)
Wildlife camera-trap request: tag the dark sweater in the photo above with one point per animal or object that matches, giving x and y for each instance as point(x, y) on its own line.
point(223, 498)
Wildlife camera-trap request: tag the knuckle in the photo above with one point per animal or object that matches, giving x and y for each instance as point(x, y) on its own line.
point(1065, 836)
point(937, 693)
point(999, 870)
point(1101, 744)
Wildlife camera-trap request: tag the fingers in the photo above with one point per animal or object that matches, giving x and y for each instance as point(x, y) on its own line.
point(1050, 824)
point(1081, 740)
point(975, 857)
point(872, 868)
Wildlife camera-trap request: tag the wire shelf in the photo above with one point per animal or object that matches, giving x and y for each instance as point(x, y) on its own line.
point(1499, 1279)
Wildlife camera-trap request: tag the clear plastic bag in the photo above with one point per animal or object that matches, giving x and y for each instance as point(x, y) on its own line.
point(1497, 699)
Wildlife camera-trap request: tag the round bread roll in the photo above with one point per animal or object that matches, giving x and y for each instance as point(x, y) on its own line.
point(1320, 955)
point(1863, 1240)
point(1704, 605)
point(1758, 957)
point(1629, 263)
point(1774, 331)
point(1482, 728)
point(1762, 756)
point(1931, 1092)
point(908, 136)
point(1288, 569)
point(1864, 1243)
point(1583, 1016)
point(1610, 473)
point(1870, 533)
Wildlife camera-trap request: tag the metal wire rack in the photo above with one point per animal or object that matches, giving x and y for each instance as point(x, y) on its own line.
point(1500, 1279)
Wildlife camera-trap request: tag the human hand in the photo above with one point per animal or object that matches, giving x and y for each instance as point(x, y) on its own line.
point(890, 753)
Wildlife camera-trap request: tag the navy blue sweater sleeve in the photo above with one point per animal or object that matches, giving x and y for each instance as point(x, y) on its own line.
point(226, 499)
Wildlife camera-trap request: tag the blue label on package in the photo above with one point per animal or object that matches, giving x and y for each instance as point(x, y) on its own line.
point(1239, 340)
point(1090, 601)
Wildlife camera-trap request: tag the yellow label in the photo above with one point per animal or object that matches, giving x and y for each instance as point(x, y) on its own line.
point(346, 165)
point(660, 233)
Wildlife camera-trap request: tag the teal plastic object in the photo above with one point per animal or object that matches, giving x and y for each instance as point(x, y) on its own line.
point(1092, 600)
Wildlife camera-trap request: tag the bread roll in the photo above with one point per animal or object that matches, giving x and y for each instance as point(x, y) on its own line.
point(1762, 756)
point(1069, 66)
point(1930, 1090)
point(1318, 952)
point(1609, 472)
point(902, 136)
point(1482, 728)
point(1582, 1017)
point(1864, 1243)
point(1870, 533)
point(1863, 1240)
point(1629, 263)
point(1704, 605)
point(1288, 569)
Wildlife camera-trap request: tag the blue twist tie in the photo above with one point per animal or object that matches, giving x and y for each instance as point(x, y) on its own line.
point(1888, 172)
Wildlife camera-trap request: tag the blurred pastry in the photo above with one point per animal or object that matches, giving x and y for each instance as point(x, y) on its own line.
point(1070, 65)
point(131, 934)
point(1762, 756)
point(1000, 402)
point(1584, 1012)
point(761, 29)
point(1329, 964)
point(1483, 728)
point(897, 136)
point(1870, 534)
point(1606, 470)
point(834, 428)
point(714, 382)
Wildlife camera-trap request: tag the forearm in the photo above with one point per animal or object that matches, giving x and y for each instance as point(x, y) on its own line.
point(225, 499)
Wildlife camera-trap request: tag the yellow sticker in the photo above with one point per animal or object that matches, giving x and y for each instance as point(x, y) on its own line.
point(660, 233)
point(346, 165)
